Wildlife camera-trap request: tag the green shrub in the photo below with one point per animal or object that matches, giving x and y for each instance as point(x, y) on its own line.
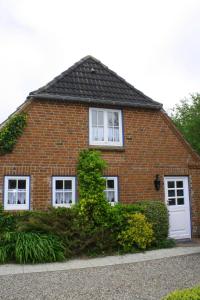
point(93, 232)
point(61, 222)
point(11, 131)
point(186, 294)
point(90, 174)
point(38, 248)
point(139, 233)
point(157, 214)
point(7, 246)
point(167, 243)
point(7, 222)
point(95, 210)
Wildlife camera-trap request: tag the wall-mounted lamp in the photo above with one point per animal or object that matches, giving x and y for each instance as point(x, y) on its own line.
point(157, 182)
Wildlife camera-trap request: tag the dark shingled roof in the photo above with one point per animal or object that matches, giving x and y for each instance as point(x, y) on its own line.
point(91, 81)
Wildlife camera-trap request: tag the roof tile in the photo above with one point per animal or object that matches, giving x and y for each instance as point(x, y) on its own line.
point(90, 81)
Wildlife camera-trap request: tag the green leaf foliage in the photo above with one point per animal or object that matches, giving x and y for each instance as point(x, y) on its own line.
point(83, 233)
point(7, 246)
point(38, 248)
point(139, 233)
point(90, 171)
point(90, 227)
point(157, 214)
point(186, 117)
point(186, 294)
point(9, 133)
point(28, 247)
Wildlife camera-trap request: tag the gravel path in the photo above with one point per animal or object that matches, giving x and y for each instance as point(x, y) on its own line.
point(148, 280)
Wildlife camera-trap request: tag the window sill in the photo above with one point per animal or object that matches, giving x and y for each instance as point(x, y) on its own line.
point(107, 148)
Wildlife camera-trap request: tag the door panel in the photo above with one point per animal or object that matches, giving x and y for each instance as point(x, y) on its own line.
point(177, 200)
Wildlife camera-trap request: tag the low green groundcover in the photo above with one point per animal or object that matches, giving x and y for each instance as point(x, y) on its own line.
point(186, 294)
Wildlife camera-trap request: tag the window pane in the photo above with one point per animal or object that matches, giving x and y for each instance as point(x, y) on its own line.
point(111, 196)
point(110, 134)
point(180, 201)
point(100, 118)
point(179, 192)
point(21, 198)
point(116, 134)
point(94, 133)
point(110, 183)
point(67, 197)
point(100, 134)
point(21, 184)
point(110, 119)
point(170, 184)
point(59, 184)
point(68, 184)
point(171, 193)
point(116, 119)
point(59, 198)
point(94, 118)
point(12, 184)
point(171, 202)
point(12, 199)
point(179, 184)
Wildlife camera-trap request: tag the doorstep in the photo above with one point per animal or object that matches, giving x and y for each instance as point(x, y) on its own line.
point(9, 269)
point(195, 242)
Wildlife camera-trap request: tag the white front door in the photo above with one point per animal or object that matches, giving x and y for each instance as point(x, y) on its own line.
point(177, 200)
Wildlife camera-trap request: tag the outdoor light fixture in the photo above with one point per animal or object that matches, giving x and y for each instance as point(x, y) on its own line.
point(157, 182)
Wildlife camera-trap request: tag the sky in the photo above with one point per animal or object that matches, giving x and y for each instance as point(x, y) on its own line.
point(154, 45)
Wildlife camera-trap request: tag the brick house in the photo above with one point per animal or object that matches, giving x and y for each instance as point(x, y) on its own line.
point(90, 106)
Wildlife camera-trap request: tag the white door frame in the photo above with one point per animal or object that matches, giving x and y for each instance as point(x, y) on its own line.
point(179, 214)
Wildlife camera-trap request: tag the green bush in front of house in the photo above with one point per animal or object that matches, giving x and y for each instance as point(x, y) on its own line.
point(139, 233)
point(91, 227)
point(186, 294)
point(117, 230)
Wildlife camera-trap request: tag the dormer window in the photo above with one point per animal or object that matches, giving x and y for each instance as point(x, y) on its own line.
point(105, 127)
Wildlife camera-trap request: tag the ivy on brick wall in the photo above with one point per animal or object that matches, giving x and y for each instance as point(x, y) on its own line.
point(9, 133)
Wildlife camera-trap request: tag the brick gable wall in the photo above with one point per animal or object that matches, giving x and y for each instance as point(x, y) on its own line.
point(57, 131)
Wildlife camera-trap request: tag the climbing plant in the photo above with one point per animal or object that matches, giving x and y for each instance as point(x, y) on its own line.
point(11, 131)
point(93, 205)
point(90, 174)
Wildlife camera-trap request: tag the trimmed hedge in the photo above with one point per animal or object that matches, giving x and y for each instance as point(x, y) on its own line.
point(186, 294)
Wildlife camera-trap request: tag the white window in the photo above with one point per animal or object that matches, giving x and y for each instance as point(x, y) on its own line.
point(105, 127)
point(64, 191)
point(111, 190)
point(17, 193)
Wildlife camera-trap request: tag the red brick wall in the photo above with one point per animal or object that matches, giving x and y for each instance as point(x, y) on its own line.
point(57, 131)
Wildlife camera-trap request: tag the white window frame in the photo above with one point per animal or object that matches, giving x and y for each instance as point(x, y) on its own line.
point(25, 206)
point(105, 114)
point(115, 178)
point(73, 180)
